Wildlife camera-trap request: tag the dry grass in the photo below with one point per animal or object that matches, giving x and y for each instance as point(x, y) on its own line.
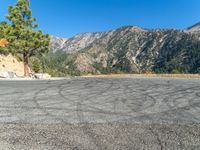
point(147, 75)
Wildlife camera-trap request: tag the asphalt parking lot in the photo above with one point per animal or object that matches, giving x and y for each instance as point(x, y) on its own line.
point(100, 113)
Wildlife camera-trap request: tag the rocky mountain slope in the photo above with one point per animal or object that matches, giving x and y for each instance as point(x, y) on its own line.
point(194, 29)
point(75, 43)
point(132, 49)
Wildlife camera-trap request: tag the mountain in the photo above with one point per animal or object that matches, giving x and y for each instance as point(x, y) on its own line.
point(57, 43)
point(194, 29)
point(75, 43)
point(132, 49)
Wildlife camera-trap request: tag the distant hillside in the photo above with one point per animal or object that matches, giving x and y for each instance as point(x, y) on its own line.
point(131, 49)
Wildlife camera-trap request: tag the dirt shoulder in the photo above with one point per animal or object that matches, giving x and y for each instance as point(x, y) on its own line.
point(146, 75)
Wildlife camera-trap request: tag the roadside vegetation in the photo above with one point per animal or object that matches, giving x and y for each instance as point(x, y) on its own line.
point(21, 32)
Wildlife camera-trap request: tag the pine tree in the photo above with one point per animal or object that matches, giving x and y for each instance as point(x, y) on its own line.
point(22, 33)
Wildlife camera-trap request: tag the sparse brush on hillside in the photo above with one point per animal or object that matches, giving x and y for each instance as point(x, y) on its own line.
point(184, 57)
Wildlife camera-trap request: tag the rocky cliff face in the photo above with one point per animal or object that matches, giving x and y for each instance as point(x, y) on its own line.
point(10, 64)
point(133, 49)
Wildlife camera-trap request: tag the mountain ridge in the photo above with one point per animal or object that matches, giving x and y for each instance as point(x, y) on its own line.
point(132, 49)
point(82, 34)
point(194, 29)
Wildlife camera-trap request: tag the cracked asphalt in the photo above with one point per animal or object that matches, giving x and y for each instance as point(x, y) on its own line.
point(100, 113)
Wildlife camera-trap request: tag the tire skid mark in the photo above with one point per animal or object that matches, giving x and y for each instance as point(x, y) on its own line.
point(43, 109)
point(140, 102)
point(86, 129)
point(118, 130)
point(170, 111)
point(10, 112)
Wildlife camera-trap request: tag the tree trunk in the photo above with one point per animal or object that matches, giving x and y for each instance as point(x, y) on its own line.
point(26, 68)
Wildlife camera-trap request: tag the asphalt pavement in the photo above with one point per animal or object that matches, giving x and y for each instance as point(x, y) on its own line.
point(100, 113)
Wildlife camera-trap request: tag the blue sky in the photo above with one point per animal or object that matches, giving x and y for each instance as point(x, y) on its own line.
point(66, 18)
